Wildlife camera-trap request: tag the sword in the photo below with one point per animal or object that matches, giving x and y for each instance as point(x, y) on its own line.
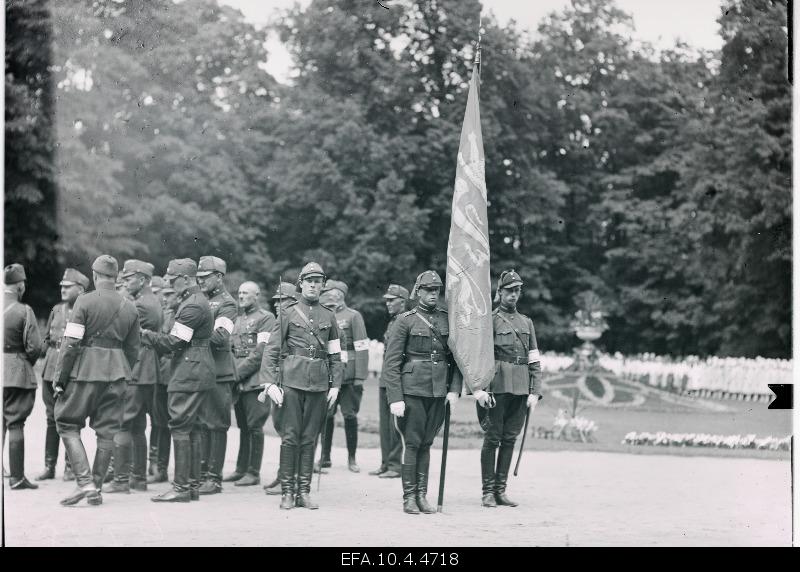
point(522, 444)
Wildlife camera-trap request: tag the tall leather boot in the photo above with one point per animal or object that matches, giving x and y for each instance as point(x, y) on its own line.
point(69, 475)
point(162, 458)
point(253, 475)
point(305, 475)
point(138, 481)
point(83, 474)
point(242, 459)
point(488, 454)
point(327, 443)
point(102, 460)
point(152, 455)
point(205, 448)
point(408, 476)
point(16, 460)
point(122, 464)
point(288, 463)
point(180, 491)
point(216, 458)
point(501, 475)
point(423, 464)
point(196, 439)
point(351, 437)
point(51, 443)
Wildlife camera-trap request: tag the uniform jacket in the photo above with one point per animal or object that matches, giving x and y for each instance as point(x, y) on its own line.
point(292, 336)
point(224, 308)
point(524, 376)
point(151, 317)
point(416, 362)
point(192, 365)
point(386, 335)
point(165, 360)
point(101, 339)
point(355, 344)
point(22, 344)
point(56, 322)
point(251, 333)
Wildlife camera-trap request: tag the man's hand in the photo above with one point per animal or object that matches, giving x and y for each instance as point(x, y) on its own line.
point(333, 393)
point(481, 397)
point(452, 398)
point(398, 408)
point(533, 399)
point(274, 392)
point(58, 390)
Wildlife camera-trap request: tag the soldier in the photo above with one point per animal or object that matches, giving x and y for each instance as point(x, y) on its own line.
point(192, 375)
point(286, 294)
point(22, 345)
point(250, 334)
point(159, 432)
point(355, 355)
point(215, 416)
point(419, 372)
point(308, 334)
point(391, 448)
point(73, 284)
point(130, 470)
point(156, 285)
point(517, 385)
point(101, 345)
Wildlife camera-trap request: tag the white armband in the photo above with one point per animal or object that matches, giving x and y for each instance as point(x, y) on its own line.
point(344, 356)
point(361, 345)
point(334, 347)
point(74, 330)
point(533, 356)
point(182, 332)
point(224, 323)
point(262, 338)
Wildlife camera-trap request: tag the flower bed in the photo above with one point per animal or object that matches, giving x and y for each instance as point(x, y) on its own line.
point(664, 439)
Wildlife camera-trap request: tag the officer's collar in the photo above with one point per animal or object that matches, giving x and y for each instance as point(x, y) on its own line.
point(188, 292)
point(251, 309)
point(217, 291)
point(303, 299)
point(508, 310)
point(426, 308)
point(142, 292)
point(105, 286)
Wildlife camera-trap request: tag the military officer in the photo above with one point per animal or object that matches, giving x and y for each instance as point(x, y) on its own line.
point(250, 334)
point(192, 376)
point(355, 355)
point(286, 293)
point(130, 444)
point(22, 345)
point(73, 284)
point(215, 416)
point(99, 350)
point(396, 298)
point(159, 431)
point(517, 386)
point(308, 336)
point(420, 373)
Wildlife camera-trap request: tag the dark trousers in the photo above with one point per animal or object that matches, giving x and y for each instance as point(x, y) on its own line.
point(391, 446)
point(424, 417)
point(502, 424)
point(160, 409)
point(251, 415)
point(184, 423)
point(350, 402)
point(302, 416)
point(130, 444)
point(17, 406)
point(52, 440)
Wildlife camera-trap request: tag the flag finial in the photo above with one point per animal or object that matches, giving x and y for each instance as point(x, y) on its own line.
point(478, 47)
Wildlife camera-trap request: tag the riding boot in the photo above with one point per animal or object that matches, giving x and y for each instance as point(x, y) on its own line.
point(163, 445)
point(351, 437)
point(423, 464)
point(253, 475)
point(487, 475)
point(180, 491)
point(327, 443)
point(504, 457)
point(51, 442)
point(121, 464)
point(138, 481)
point(205, 446)
point(83, 474)
point(288, 458)
point(152, 453)
point(305, 475)
point(216, 458)
point(102, 460)
point(242, 459)
point(408, 475)
point(196, 439)
point(68, 474)
point(16, 461)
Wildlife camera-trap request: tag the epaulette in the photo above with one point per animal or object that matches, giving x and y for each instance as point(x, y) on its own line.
point(443, 310)
point(290, 304)
point(411, 312)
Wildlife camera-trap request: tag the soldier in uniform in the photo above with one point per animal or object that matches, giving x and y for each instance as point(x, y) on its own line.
point(215, 416)
point(73, 284)
point(192, 375)
point(139, 395)
point(22, 345)
point(250, 334)
point(517, 385)
point(308, 336)
point(286, 294)
point(156, 285)
point(159, 431)
point(355, 346)
point(420, 373)
point(391, 448)
point(100, 348)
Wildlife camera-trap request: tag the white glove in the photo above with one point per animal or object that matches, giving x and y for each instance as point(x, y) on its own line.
point(482, 397)
point(333, 393)
point(533, 399)
point(275, 394)
point(398, 408)
point(452, 398)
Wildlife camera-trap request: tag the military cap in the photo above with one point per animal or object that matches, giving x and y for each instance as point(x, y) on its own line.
point(509, 279)
point(311, 269)
point(133, 266)
point(396, 291)
point(209, 264)
point(428, 279)
point(14, 273)
point(73, 277)
point(105, 265)
point(285, 290)
point(120, 281)
point(181, 267)
point(157, 283)
point(167, 289)
point(335, 285)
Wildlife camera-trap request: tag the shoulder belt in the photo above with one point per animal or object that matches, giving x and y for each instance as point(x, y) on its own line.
point(519, 336)
point(310, 327)
point(434, 330)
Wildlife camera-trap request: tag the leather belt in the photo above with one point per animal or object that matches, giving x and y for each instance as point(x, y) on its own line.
point(310, 352)
point(199, 343)
point(516, 360)
point(433, 357)
point(109, 344)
